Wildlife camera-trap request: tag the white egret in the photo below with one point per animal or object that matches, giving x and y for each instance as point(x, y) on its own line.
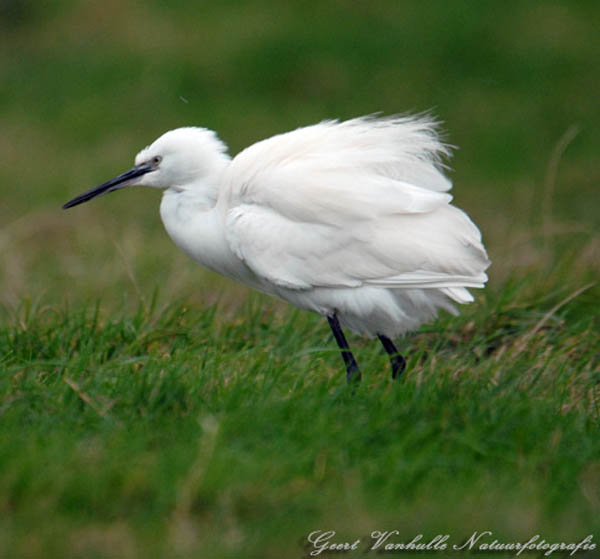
point(349, 219)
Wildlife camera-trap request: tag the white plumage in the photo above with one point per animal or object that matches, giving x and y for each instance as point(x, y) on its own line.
point(348, 219)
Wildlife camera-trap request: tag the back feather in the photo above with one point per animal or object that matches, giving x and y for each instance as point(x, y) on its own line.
point(347, 204)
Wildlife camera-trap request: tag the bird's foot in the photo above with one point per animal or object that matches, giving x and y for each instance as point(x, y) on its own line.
point(398, 365)
point(353, 374)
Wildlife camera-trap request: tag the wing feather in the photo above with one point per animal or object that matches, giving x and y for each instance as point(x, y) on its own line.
point(346, 204)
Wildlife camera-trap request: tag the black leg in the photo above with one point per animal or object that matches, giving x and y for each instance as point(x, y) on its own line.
point(398, 362)
point(352, 370)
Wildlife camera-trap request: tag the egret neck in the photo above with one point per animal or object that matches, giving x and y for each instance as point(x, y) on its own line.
point(195, 224)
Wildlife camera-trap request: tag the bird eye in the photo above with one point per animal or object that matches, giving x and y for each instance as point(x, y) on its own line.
point(156, 160)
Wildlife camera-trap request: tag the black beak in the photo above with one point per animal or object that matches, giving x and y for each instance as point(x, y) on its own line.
point(111, 185)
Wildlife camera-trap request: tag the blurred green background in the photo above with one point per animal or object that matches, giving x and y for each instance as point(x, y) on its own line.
point(85, 85)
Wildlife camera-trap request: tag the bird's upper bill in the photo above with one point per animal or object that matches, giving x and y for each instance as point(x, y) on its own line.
point(125, 179)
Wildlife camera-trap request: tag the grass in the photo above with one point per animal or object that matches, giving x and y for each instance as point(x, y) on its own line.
point(150, 409)
point(172, 431)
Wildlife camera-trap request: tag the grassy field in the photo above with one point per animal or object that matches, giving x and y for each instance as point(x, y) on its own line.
point(151, 409)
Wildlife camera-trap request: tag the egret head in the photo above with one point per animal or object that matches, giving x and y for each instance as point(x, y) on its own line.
point(181, 159)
